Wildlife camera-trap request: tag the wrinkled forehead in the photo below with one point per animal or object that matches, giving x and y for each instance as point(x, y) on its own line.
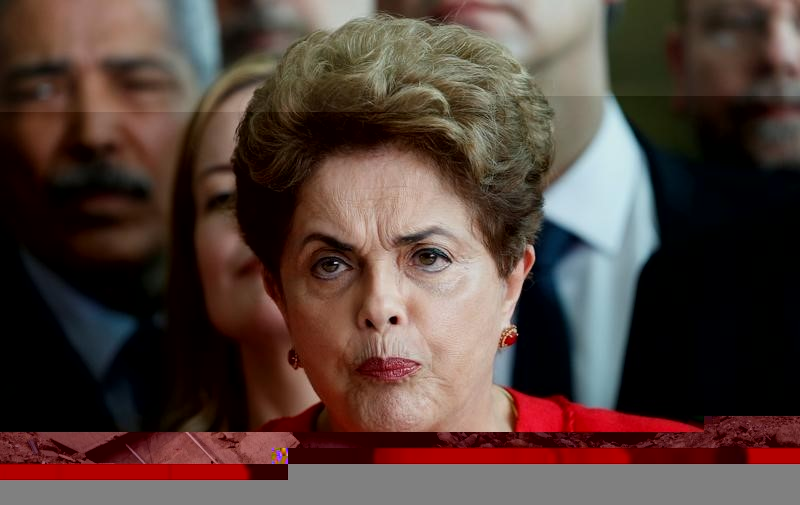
point(387, 187)
point(362, 175)
point(84, 30)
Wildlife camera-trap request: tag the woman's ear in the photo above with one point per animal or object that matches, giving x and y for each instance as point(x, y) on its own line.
point(515, 281)
point(273, 289)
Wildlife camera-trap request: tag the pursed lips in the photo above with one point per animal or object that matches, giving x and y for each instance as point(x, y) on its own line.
point(388, 369)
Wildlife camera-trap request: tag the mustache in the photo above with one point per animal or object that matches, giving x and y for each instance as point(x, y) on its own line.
point(99, 176)
point(772, 91)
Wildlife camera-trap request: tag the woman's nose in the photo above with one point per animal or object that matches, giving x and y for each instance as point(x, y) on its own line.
point(392, 320)
point(382, 302)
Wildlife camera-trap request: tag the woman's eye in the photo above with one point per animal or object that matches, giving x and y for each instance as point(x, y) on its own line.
point(329, 268)
point(431, 260)
point(220, 201)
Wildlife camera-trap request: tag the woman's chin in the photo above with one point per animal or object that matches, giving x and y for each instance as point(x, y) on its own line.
point(396, 411)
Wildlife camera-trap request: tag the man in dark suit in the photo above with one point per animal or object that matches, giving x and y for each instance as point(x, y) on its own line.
point(731, 295)
point(611, 200)
point(95, 96)
point(731, 292)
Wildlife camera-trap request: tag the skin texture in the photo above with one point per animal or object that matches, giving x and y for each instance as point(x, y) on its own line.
point(91, 81)
point(356, 285)
point(272, 25)
point(737, 72)
point(561, 43)
point(231, 277)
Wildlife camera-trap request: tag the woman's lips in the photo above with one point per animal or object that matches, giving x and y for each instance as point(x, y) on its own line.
point(388, 369)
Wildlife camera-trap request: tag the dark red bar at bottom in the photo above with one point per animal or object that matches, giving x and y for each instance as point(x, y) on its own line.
point(144, 472)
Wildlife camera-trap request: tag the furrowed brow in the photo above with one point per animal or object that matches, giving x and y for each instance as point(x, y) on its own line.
point(328, 240)
point(422, 235)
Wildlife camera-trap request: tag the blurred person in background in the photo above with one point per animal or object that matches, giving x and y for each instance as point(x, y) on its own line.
point(736, 66)
point(611, 199)
point(95, 96)
point(250, 26)
point(731, 291)
point(228, 342)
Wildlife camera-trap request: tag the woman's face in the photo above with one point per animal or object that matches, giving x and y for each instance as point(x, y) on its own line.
point(394, 304)
point(230, 274)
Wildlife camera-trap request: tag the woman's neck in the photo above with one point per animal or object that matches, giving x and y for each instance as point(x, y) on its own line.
point(273, 388)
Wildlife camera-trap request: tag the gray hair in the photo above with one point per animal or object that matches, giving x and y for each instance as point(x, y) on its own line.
point(196, 33)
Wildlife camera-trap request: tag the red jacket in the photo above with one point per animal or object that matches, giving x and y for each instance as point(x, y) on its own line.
point(535, 414)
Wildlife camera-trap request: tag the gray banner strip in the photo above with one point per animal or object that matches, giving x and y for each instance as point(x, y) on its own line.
point(462, 484)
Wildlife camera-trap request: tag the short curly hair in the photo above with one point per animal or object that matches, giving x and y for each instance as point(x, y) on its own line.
point(443, 91)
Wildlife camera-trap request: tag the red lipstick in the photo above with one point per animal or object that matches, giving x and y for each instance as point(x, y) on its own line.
point(388, 369)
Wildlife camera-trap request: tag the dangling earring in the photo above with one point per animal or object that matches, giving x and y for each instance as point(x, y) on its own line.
point(508, 337)
point(294, 359)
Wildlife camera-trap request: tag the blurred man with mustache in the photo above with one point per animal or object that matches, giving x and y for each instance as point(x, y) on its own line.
point(95, 95)
point(737, 72)
point(612, 200)
point(272, 25)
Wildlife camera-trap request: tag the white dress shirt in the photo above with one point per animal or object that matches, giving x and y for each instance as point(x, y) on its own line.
point(605, 199)
point(97, 334)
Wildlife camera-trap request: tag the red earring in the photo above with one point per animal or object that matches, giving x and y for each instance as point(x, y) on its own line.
point(508, 337)
point(294, 359)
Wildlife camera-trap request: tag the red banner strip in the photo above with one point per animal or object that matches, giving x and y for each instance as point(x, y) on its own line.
point(337, 456)
point(773, 456)
point(561, 456)
point(499, 456)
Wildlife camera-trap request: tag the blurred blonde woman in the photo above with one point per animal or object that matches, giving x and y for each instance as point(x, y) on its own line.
point(227, 339)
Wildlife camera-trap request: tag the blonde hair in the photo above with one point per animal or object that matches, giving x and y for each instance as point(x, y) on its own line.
point(444, 91)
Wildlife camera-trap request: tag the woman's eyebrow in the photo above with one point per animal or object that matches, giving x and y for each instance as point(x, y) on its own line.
point(326, 239)
point(422, 235)
point(398, 241)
